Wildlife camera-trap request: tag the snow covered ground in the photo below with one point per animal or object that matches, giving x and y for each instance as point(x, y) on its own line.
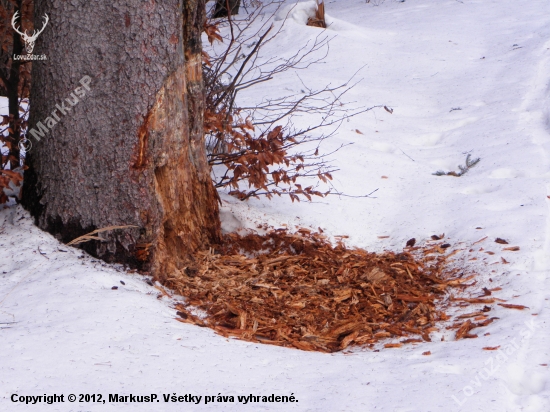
point(469, 76)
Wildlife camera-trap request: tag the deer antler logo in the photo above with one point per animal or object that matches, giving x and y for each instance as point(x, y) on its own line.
point(29, 40)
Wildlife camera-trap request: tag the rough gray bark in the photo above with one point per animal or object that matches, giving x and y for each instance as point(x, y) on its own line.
point(131, 152)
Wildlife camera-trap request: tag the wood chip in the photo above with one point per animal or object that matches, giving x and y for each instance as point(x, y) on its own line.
point(469, 315)
point(480, 240)
point(475, 300)
point(511, 306)
point(348, 339)
point(463, 330)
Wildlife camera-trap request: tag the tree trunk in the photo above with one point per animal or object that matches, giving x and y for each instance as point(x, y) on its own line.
point(221, 8)
point(131, 151)
point(12, 88)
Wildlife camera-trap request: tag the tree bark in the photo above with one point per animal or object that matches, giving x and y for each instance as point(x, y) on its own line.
point(12, 88)
point(131, 152)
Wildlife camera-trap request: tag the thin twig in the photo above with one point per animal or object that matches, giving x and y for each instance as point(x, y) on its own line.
point(407, 155)
point(89, 236)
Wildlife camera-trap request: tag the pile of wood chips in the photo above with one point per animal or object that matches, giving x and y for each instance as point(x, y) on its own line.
point(299, 290)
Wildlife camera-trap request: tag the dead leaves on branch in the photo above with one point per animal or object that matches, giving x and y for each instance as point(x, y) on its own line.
point(212, 32)
point(11, 182)
point(262, 151)
point(264, 162)
point(298, 290)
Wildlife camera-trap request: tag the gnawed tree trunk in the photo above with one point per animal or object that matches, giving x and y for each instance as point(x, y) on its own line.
point(131, 151)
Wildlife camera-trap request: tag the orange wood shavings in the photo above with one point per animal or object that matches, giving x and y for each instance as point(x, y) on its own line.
point(462, 332)
point(299, 290)
point(511, 306)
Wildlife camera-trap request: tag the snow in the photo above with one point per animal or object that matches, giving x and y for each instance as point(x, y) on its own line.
point(487, 60)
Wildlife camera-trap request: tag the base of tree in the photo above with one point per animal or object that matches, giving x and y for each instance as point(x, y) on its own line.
point(122, 100)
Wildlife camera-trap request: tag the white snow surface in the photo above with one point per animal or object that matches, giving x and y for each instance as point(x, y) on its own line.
point(490, 61)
